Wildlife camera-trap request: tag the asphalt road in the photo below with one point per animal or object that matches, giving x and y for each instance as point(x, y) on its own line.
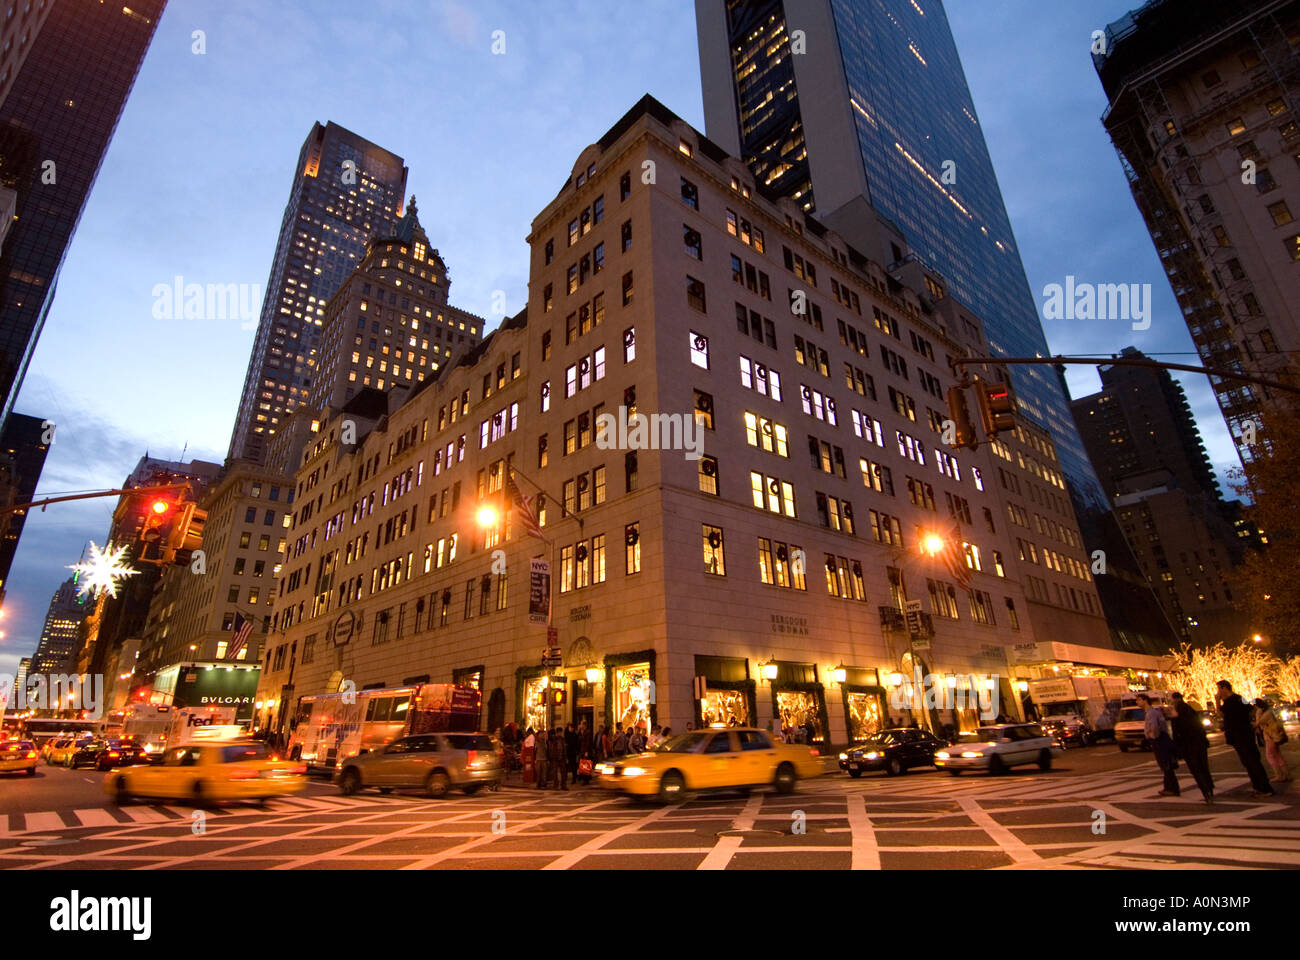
point(1095, 808)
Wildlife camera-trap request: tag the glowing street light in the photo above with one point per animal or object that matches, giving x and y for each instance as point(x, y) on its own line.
point(486, 516)
point(932, 544)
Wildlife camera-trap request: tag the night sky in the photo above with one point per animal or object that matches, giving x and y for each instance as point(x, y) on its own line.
point(196, 179)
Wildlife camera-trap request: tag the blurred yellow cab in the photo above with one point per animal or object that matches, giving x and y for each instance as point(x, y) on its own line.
point(208, 772)
point(713, 759)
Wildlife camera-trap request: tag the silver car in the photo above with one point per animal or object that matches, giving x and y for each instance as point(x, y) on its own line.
point(433, 762)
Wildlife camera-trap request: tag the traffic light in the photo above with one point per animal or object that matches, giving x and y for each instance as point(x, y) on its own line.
point(185, 534)
point(963, 428)
point(558, 695)
point(997, 406)
point(159, 512)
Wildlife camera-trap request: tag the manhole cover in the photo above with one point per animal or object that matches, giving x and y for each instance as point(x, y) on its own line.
point(46, 841)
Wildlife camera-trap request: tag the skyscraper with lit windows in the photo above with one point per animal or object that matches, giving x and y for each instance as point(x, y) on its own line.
point(860, 111)
point(345, 191)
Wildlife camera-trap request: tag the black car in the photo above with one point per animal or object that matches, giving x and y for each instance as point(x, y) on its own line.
point(894, 751)
point(105, 754)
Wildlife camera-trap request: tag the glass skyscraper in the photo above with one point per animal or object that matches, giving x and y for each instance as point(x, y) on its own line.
point(65, 72)
point(345, 191)
point(837, 102)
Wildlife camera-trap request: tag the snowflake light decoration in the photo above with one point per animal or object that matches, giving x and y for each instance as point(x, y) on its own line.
point(101, 573)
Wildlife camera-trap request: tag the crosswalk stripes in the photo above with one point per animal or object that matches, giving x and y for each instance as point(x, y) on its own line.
point(140, 813)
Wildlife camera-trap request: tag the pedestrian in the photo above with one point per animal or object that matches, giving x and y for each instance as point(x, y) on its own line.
point(542, 760)
point(665, 734)
point(1156, 732)
point(1192, 745)
point(571, 751)
point(809, 731)
point(652, 741)
point(619, 748)
point(557, 760)
point(636, 742)
point(1239, 733)
point(1269, 729)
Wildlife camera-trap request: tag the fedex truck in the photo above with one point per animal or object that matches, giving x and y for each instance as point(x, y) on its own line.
point(195, 724)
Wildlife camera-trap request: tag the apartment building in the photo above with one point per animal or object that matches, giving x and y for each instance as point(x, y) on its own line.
point(764, 527)
point(1202, 111)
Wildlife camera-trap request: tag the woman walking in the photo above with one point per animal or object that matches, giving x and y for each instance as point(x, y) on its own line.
point(1269, 730)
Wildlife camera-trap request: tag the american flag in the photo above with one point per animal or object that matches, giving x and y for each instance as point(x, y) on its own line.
point(525, 504)
point(955, 559)
point(243, 629)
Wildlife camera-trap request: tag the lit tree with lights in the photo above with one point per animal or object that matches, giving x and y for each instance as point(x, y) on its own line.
point(1286, 679)
point(1196, 671)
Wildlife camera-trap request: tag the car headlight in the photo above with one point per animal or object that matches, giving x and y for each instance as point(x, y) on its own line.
point(942, 754)
point(1205, 722)
point(604, 768)
point(873, 755)
point(634, 771)
point(971, 754)
point(844, 756)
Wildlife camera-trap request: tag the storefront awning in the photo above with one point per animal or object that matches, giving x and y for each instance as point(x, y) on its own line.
point(1047, 651)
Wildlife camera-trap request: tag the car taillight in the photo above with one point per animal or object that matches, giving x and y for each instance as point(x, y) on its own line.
point(113, 753)
point(31, 754)
point(814, 752)
point(238, 774)
point(472, 757)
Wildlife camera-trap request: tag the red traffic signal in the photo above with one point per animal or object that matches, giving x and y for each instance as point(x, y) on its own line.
point(997, 405)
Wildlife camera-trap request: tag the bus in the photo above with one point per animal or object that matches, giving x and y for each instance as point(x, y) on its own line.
point(40, 729)
point(330, 727)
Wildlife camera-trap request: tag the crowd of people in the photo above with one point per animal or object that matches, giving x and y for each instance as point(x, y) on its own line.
point(569, 753)
point(1177, 733)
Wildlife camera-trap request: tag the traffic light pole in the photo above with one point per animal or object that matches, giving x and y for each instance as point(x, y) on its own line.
point(1130, 362)
point(169, 488)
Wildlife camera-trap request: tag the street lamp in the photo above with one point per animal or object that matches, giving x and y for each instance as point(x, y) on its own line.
point(839, 674)
point(932, 544)
point(486, 516)
point(594, 675)
point(768, 670)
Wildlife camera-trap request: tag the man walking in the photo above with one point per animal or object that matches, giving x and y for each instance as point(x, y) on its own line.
point(1154, 729)
point(1240, 734)
point(1192, 745)
point(557, 759)
point(541, 758)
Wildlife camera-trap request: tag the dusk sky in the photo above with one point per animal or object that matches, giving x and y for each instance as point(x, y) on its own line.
point(196, 179)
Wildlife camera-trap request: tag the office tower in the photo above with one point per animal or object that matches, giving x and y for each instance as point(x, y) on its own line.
point(65, 73)
point(1202, 108)
point(1139, 428)
point(22, 456)
point(785, 553)
point(389, 324)
point(345, 190)
point(874, 120)
point(59, 636)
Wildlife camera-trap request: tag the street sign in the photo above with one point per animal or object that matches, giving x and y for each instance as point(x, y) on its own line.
point(913, 613)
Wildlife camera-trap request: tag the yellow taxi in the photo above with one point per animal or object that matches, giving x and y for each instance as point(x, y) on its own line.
point(16, 755)
point(59, 750)
point(207, 772)
point(714, 759)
